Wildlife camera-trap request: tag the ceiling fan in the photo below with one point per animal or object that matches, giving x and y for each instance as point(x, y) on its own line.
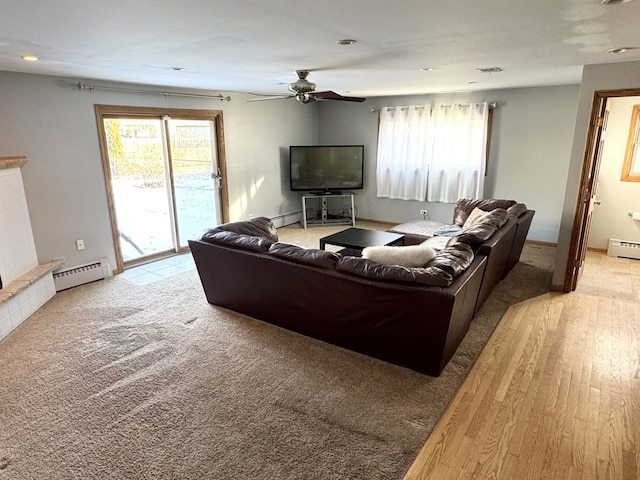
point(304, 91)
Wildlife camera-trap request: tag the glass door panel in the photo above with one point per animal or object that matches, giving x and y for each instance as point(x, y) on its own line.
point(193, 165)
point(138, 179)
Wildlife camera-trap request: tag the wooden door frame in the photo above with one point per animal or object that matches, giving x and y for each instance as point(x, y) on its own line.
point(158, 112)
point(590, 170)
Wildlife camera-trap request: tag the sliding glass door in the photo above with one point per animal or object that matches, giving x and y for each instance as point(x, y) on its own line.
point(164, 171)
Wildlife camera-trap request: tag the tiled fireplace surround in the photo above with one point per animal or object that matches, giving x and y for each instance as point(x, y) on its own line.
point(26, 285)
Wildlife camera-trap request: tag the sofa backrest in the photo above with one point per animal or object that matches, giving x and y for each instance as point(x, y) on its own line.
point(465, 206)
point(255, 227)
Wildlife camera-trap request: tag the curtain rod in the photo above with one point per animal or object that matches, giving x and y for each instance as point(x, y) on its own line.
point(375, 110)
point(91, 88)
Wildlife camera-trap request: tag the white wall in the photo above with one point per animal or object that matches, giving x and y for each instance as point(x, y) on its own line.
point(610, 218)
point(594, 77)
point(53, 124)
point(17, 249)
point(529, 155)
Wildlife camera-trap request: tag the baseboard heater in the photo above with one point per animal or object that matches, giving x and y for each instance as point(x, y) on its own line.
point(81, 274)
point(623, 248)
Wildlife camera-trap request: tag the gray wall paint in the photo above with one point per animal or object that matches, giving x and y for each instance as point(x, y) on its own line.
point(594, 77)
point(611, 218)
point(529, 155)
point(53, 124)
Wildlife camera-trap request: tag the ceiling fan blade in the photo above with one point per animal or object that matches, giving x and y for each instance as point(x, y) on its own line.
point(329, 95)
point(268, 97)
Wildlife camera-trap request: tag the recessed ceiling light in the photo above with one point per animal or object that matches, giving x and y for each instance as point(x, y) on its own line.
point(489, 69)
point(427, 69)
point(177, 69)
point(30, 58)
point(615, 51)
point(346, 41)
point(614, 2)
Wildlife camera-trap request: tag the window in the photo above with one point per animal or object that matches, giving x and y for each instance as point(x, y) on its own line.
point(437, 153)
point(631, 166)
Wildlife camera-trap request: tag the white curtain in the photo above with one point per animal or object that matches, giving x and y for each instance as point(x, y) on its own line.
point(458, 159)
point(438, 153)
point(402, 169)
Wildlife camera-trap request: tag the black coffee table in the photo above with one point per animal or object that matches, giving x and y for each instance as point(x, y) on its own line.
point(356, 239)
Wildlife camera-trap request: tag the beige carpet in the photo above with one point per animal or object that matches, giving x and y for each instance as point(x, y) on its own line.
point(116, 381)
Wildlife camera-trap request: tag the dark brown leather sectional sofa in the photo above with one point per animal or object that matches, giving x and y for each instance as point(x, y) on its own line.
point(502, 246)
point(413, 317)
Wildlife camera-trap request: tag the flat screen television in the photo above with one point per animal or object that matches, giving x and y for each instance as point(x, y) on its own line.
point(326, 169)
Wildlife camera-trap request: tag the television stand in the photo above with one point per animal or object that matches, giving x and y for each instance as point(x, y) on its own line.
point(326, 193)
point(324, 216)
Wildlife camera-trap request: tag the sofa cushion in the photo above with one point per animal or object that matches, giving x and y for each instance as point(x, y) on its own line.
point(409, 256)
point(363, 267)
point(484, 227)
point(454, 259)
point(307, 256)
point(438, 243)
point(497, 217)
point(476, 233)
point(257, 227)
point(465, 206)
point(238, 240)
point(475, 215)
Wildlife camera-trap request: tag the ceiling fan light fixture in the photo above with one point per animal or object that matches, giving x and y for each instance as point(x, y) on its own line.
point(346, 41)
point(302, 85)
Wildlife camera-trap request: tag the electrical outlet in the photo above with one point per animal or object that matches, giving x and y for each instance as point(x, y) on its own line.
point(424, 212)
point(80, 244)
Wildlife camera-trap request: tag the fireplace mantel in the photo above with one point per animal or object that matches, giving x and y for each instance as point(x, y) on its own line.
point(12, 162)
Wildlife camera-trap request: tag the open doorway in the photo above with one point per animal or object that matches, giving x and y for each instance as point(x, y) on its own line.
point(164, 171)
point(589, 183)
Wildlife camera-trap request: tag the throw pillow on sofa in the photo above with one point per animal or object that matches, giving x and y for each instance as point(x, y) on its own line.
point(408, 256)
point(484, 227)
point(475, 215)
point(465, 206)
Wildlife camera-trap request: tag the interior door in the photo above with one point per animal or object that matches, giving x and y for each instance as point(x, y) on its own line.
point(587, 193)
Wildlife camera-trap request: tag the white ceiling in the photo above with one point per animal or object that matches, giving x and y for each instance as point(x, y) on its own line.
point(254, 45)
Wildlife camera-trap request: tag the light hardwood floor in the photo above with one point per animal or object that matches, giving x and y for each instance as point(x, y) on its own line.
point(556, 392)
